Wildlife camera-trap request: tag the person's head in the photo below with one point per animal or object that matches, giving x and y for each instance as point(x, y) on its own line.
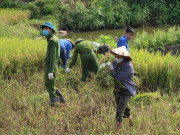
point(71, 43)
point(121, 54)
point(78, 41)
point(129, 33)
point(104, 49)
point(47, 28)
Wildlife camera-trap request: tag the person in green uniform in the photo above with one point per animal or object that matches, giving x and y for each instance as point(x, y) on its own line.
point(88, 55)
point(101, 48)
point(52, 56)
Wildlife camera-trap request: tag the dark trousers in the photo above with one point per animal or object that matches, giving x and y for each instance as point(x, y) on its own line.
point(63, 57)
point(122, 97)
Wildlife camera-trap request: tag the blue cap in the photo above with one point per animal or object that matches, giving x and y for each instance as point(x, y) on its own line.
point(48, 24)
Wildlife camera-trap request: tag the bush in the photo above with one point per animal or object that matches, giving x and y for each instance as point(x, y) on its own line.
point(139, 16)
point(9, 4)
point(35, 12)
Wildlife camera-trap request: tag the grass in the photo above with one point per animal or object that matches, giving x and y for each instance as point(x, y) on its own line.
point(158, 39)
point(16, 23)
point(13, 16)
point(21, 55)
point(25, 109)
point(20, 30)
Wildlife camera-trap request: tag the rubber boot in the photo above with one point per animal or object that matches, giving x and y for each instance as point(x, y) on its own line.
point(61, 98)
point(54, 100)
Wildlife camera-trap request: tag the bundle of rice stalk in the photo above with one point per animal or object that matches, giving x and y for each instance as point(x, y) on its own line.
point(146, 97)
point(104, 78)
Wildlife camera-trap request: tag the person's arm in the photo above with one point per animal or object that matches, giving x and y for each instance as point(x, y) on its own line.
point(122, 74)
point(74, 57)
point(63, 56)
point(69, 46)
point(121, 43)
point(95, 49)
point(52, 55)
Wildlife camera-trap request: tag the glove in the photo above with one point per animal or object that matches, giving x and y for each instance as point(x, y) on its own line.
point(102, 65)
point(110, 65)
point(67, 70)
point(50, 76)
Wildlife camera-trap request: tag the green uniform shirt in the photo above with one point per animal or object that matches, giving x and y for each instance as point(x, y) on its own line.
point(53, 51)
point(83, 46)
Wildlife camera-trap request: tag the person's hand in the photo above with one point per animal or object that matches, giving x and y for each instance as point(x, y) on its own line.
point(67, 70)
point(50, 76)
point(102, 65)
point(110, 65)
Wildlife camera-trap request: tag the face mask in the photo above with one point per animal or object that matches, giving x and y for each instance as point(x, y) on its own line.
point(119, 60)
point(45, 32)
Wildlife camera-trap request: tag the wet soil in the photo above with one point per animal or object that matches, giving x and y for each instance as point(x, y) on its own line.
point(173, 49)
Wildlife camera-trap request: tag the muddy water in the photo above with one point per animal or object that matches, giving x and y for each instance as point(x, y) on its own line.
point(116, 33)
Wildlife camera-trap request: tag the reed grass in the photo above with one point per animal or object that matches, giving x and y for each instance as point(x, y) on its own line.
point(158, 39)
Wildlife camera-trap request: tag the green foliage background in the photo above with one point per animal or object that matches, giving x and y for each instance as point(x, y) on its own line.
point(100, 14)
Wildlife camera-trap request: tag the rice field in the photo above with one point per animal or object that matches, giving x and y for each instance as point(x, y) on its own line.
point(21, 55)
point(13, 16)
point(90, 108)
point(25, 109)
point(155, 70)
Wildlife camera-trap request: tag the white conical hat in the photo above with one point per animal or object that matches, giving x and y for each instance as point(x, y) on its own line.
point(121, 51)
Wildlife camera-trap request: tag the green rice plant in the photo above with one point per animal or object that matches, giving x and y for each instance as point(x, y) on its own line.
point(20, 30)
point(13, 16)
point(21, 54)
point(156, 70)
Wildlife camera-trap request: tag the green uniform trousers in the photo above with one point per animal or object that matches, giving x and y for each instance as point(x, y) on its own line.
point(50, 84)
point(89, 62)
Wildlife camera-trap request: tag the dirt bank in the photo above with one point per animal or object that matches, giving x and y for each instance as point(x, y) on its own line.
point(174, 49)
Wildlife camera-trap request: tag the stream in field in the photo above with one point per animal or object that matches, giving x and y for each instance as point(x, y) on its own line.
point(115, 33)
